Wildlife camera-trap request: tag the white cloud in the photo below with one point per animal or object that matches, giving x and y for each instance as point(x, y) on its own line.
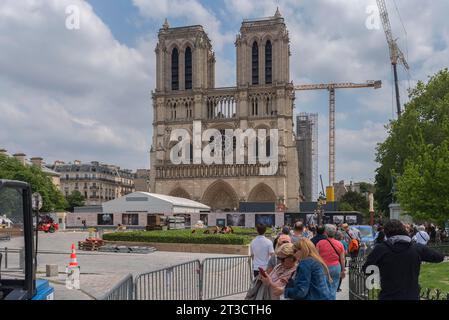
point(82, 94)
point(71, 93)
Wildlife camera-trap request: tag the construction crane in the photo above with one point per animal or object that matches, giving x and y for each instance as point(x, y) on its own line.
point(396, 55)
point(331, 88)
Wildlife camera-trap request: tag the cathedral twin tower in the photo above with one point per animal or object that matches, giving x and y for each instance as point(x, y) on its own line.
point(262, 99)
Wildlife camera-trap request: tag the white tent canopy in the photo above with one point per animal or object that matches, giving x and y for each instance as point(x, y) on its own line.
point(145, 202)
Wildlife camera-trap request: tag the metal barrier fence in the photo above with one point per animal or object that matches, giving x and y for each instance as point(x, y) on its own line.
point(19, 259)
point(223, 277)
point(180, 282)
point(121, 291)
point(443, 248)
point(357, 282)
point(212, 279)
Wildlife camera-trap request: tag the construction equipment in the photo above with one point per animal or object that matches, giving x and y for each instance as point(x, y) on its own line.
point(331, 88)
point(15, 201)
point(396, 55)
point(47, 224)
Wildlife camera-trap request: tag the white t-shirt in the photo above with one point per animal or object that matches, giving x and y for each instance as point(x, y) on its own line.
point(261, 248)
point(421, 237)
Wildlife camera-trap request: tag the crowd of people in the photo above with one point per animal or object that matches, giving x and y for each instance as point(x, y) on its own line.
point(305, 262)
point(310, 262)
point(423, 234)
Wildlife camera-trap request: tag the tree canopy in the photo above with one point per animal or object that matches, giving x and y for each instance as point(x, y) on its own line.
point(12, 169)
point(411, 159)
point(76, 199)
point(354, 200)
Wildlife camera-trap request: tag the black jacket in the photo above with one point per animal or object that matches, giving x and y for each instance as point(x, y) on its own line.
point(399, 265)
point(318, 238)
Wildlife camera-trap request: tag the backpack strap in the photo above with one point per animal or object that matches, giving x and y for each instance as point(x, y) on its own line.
point(335, 251)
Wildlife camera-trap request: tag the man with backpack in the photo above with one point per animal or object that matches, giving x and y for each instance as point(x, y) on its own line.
point(353, 239)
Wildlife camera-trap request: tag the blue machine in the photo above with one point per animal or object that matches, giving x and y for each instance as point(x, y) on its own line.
point(44, 291)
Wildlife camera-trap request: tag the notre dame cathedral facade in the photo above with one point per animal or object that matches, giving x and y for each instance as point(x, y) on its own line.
point(263, 98)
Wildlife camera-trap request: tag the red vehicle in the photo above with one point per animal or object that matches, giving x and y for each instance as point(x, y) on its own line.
point(47, 224)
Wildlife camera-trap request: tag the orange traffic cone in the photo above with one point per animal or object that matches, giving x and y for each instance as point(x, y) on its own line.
point(73, 262)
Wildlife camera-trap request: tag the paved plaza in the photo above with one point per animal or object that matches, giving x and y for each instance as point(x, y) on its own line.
point(100, 271)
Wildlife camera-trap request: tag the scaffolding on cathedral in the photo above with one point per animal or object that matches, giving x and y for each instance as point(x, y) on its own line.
point(307, 145)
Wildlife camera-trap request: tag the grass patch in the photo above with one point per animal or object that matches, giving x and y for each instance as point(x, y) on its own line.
point(435, 276)
point(240, 237)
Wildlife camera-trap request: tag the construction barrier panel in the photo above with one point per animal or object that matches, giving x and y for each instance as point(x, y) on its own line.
point(212, 279)
point(222, 277)
point(180, 282)
point(121, 291)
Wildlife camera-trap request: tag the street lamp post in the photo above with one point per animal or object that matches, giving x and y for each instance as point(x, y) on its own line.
point(320, 209)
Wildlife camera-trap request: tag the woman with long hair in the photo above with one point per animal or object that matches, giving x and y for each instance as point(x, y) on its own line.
point(312, 280)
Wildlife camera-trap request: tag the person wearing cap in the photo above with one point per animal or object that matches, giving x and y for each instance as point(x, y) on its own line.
point(278, 278)
point(272, 263)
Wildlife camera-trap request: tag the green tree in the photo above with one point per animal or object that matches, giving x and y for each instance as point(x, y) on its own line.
point(76, 199)
point(344, 206)
point(423, 120)
point(366, 187)
point(423, 187)
point(355, 200)
point(12, 169)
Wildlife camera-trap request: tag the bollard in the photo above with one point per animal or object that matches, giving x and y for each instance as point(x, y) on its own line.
point(72, 280)
point(22, 259)
point(6, 257)
point(51, 270)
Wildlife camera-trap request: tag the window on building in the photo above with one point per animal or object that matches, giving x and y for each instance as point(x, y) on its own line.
point(268, 63)
point(268, 147)
point(255, 63)
point(130, 219)
point(188, 68)
point(175, 69)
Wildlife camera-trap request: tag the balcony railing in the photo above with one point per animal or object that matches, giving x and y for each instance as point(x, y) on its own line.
point(223, 104)
point(207, 171)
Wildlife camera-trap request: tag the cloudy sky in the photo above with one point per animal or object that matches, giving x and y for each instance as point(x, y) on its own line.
point(85, 93)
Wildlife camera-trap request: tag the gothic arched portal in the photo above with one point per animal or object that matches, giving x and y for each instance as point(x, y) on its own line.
point(262, 193)
point(221, 196)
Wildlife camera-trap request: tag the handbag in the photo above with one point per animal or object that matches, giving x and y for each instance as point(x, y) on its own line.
point(254, 287)
point(258, 290)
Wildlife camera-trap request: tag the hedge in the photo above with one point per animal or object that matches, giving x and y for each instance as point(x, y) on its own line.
point(178, 236)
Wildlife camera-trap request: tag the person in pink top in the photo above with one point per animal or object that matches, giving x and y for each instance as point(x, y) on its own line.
point(333, 254)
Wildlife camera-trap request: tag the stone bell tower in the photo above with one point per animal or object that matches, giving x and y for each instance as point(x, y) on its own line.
point(262, 99)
